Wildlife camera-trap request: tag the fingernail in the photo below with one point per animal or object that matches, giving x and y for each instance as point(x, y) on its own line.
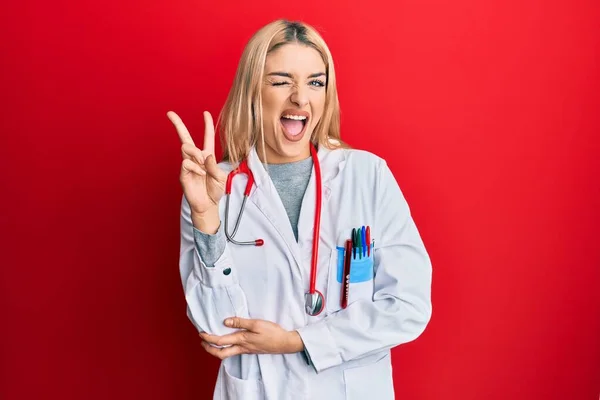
point(228, 322)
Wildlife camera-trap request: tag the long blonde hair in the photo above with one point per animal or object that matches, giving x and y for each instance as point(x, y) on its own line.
point(240, 121)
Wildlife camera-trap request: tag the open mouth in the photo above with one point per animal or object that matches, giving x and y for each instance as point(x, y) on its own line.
point(294, 124)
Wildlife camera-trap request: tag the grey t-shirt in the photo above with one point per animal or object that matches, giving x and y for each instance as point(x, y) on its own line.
point(290, 180)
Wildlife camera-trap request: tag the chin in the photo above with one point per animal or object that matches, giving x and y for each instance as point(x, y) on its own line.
point(287, 151)
point(296, 150)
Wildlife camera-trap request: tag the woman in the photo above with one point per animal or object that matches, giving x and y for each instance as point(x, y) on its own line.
point(292, 317)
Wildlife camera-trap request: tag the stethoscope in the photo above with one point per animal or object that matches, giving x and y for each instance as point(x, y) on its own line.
point(314, 302)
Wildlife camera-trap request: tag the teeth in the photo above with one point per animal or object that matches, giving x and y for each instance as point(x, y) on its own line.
point(296, 117)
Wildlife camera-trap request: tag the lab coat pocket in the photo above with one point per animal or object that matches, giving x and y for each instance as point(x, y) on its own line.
point(234, 388)
point(361, 277)
point(370, 381)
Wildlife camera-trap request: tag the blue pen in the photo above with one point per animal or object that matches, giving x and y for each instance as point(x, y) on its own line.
point(364, 241)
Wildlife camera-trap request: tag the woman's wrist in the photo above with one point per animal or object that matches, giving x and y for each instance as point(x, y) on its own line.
point(207, 222)
point(295, 343)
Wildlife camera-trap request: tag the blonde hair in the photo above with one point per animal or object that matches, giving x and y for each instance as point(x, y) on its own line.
point(240, 121)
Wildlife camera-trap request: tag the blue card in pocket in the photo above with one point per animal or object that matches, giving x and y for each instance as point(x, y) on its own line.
point(361, 268)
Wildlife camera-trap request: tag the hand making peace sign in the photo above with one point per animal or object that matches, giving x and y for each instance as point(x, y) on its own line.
point(202, 180)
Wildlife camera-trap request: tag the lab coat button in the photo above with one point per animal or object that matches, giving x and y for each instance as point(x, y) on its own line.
point(227, 271)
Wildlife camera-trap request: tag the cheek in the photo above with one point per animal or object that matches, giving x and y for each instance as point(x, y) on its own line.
point(318, 106)
point(270, 115)
point(271, 103)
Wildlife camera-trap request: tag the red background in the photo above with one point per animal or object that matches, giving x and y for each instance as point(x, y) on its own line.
point(487, 111)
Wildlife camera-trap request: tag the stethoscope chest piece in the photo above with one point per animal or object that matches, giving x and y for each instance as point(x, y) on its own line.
point(314, 303)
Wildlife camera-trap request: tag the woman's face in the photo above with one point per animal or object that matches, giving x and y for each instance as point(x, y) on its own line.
point(293, 99)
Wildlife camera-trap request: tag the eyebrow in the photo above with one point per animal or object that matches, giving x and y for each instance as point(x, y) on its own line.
point(288, 75)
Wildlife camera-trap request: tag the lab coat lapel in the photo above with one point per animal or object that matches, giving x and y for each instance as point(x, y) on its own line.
point(267, 199)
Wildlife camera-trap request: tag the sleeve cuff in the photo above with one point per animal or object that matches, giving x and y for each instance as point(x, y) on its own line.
point(319, 346)
point(210, 247)
point(214, 268)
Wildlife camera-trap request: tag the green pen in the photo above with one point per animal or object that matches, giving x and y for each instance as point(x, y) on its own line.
point(353, 243)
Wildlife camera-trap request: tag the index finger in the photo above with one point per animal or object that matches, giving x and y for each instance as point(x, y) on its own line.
point(184, 134)
point(241, 323)
point(209, 133)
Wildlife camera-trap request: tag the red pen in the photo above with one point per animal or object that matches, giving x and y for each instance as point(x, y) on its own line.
point(369, 241)
point(346, 274)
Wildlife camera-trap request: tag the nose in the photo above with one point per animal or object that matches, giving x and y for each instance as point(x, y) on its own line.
point(300, 96)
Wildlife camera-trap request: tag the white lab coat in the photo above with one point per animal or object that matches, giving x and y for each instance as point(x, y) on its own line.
point(389, 303)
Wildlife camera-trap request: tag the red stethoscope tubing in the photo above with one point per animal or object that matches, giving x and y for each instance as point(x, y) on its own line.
point(244, 169)
point(317, 224)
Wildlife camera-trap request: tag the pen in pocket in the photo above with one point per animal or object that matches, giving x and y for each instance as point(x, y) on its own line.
point(346, 276)
point(368, 234)
point(365, 243)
